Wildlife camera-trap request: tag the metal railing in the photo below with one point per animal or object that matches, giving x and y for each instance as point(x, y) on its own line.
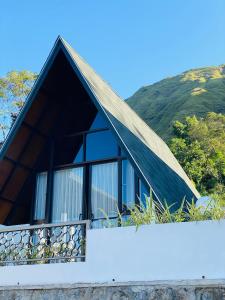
point(45, 243)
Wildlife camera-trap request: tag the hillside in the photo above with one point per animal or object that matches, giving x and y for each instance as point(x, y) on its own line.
point(196, 91)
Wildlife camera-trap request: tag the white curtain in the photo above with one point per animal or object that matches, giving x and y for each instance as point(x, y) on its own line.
point(67, 195)
point(128, 192)
point(104, 191)
point(40, 196)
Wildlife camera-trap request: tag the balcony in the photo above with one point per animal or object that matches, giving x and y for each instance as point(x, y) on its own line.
point(36, 255)
point(41, 244)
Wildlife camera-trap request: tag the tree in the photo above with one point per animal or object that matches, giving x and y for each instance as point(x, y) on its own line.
point(199, 146)
point(14, 88)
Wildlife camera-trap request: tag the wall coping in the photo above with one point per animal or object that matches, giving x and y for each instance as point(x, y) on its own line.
point(162, 283)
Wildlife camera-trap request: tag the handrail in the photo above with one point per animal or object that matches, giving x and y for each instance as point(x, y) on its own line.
point(44, 225)
point(43, 243)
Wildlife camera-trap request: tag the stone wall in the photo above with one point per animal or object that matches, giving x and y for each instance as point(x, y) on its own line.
point(143, 291)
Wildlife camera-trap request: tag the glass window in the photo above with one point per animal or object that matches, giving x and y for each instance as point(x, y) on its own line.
point(40, 196)
point(144, 192)
point(104, 192)
point(101, 145)
point(128, 186)
point(79, 155)
point(99, 122)
point(67, 195)
point(69, 150)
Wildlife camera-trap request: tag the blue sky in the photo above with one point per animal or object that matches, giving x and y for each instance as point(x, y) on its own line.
point(130, 43)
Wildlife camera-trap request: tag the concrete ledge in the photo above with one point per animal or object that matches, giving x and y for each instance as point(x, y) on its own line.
point(159, 283)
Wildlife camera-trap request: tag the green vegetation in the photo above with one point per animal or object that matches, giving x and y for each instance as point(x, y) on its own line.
point(14, 88)
point(157, 213)
point(195, 92)
point(199, 146)
point(197, 142)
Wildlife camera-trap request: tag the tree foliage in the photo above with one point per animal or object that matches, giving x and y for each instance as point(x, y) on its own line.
point(14, 87)
point(199, 146)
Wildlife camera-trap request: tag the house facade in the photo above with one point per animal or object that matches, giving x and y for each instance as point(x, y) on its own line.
point(77, 151)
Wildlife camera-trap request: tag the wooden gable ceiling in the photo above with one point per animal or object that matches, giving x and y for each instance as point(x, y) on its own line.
point(60, 104)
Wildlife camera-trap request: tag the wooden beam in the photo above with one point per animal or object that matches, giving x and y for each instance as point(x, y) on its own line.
point(10, 201)
point(24, 148)
point(85, 132)
point(18, 163)
point(17, 203)
point(37, 131)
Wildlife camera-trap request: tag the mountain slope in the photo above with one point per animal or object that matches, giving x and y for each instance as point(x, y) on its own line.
point(194, 92)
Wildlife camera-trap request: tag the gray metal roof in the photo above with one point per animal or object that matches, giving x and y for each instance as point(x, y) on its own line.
point(148, 151)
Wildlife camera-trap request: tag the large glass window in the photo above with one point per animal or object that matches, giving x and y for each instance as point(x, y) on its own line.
point(104, 191)
point(100, 145)
point(98, 122)
point(67, 195)
point(128, 186)
point(40, 196)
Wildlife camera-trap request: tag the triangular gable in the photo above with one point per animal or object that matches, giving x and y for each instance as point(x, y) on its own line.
point(149, 155)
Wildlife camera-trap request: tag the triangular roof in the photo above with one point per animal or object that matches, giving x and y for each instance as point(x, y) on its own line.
point(146, 150)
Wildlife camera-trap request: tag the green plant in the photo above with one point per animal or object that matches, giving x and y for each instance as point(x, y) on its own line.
point(155, 212)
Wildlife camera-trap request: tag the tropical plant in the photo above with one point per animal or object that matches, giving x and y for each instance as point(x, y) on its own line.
point(154, 212)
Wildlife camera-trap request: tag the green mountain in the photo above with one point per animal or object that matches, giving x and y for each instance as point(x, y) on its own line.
point(194, 92)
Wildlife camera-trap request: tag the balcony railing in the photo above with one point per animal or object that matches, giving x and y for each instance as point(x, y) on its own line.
point(45, 243)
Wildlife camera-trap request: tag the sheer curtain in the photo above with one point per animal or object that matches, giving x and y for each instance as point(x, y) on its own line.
point(104, 191)
point(128, 192)
point(67, 195)
point(40, 196)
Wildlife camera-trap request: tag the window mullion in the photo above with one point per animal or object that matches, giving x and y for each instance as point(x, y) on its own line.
point(120, 204)
point(89, 181)
point(50, 183)
point(137, 190)
point(84, 147)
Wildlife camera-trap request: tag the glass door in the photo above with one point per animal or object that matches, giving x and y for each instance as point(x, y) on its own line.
point(40, 197)
point(67, 195)
point(104, 193)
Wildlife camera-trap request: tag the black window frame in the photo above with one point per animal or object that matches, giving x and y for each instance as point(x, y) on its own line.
point(86, 204)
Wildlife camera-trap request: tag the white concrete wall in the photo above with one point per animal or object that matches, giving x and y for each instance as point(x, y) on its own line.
point(180, 251)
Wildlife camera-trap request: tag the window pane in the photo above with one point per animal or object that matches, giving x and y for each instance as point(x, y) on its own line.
point(40, 197)
point(99, 122)
point(128, 187)
point(143, 192)
point(100, 145)
point(67, 195)
point(104, 191)
point(69, 150)
point(79, 155)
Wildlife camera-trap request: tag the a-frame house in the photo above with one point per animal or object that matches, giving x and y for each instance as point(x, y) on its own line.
point(77, 147)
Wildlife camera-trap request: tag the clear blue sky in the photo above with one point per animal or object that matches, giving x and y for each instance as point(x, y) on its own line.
point(131, 43)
